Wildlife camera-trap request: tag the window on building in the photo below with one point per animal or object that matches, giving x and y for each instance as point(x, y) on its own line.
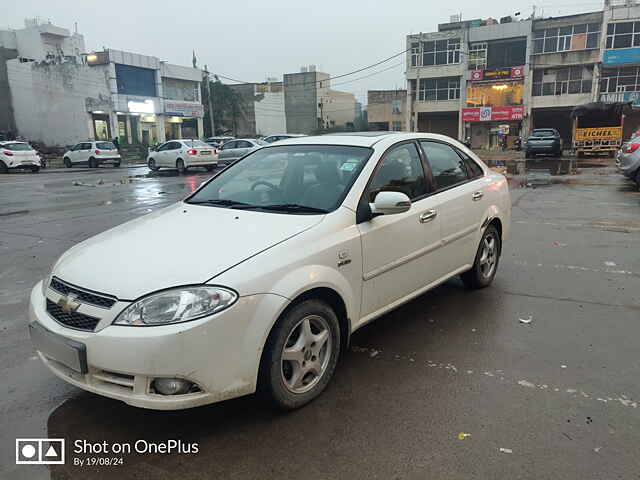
point(616, 80)
point(439, 89)
point(495, 94)
point(177, 89)
point(441, 52)
point(478, 56)
point(623, 35)
point(396, 106)
point(563, 39)
point(136, 80)
point(415, 54)
point(562, 81)
point(506, 54)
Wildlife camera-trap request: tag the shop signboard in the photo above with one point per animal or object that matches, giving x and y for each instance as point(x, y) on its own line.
point(499, 74)
point(623, 56)
point(183, 109)
point(486, 114)
point(633, 97)
point(601, 133)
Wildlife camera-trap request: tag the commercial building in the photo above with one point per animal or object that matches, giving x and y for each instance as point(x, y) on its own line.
point(489, 81)
point(387, 110)
point(60, 95)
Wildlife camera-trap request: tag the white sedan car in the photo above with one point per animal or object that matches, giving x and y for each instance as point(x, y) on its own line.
point(321, 235)
point(181, 155)
point(18, 155)
point(93, 154)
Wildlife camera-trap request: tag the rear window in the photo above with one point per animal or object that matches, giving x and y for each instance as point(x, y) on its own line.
point(105, 146)
point(195, 143)
point(543, 133)
point(17, 147)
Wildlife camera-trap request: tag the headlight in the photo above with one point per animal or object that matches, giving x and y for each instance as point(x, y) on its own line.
point(178, 305)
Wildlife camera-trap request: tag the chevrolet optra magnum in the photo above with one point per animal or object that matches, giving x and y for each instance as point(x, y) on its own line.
point(257, 280)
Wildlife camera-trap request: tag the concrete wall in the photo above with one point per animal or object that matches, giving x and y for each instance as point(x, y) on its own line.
point(554, 101)
point(500, 31)
point(302, 92)
point(7, 121)
point(270, 114)
point(339, 108)
point(380, 107)
point(51, 101)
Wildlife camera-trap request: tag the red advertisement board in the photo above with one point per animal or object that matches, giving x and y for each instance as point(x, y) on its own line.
point(492, 114)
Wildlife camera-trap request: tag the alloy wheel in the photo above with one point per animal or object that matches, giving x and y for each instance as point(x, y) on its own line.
point(306, 354)
point(488, 255)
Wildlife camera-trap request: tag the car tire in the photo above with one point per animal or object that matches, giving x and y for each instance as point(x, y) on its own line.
point(35, 169)
point(180, 166)
point(67, 162)
point(637, 179)
point(116, 165)
point(151, 163)
point(210, 168)
point(92, 163)
point(486, 262)
point(3, 167)
point(293, 382)
point(527, 154)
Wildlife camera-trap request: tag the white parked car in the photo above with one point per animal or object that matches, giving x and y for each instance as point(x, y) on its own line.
point(321, 235)
point(93, 154)
point(18, 155)
point(183, 154)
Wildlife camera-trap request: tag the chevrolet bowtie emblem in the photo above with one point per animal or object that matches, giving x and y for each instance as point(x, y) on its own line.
point(68, 304)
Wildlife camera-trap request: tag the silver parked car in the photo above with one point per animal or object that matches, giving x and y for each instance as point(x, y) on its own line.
point(233, 150)
point(628, 160)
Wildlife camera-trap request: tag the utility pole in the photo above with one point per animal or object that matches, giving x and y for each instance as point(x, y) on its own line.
point(205, 77)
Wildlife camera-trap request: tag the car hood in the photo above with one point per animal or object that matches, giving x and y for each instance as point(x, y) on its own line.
point(179, 245)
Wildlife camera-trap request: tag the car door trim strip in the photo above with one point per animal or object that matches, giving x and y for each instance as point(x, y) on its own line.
point(402, 261)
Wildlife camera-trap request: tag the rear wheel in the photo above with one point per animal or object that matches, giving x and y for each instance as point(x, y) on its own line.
point(638, 179)
point(486, 263)
point(3, 167)
point(116, 165)
point(180, 166)
point(67, 162)
point(301, 354)
point(93, 163)
point(527, 154)
point(151, 163)
point(35, 169)
point(210, 168)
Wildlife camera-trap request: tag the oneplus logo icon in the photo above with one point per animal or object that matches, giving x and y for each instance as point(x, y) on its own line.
point(39, 451)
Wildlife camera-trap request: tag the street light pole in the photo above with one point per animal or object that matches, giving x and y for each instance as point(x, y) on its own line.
point(210, 98)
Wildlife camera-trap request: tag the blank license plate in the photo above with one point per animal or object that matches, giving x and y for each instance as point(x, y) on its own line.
point(68, 352)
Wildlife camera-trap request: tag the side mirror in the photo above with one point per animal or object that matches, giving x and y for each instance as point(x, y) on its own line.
point(390, 203)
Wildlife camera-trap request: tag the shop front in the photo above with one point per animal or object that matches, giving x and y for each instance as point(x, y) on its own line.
point(183, 120)
point(494, 115)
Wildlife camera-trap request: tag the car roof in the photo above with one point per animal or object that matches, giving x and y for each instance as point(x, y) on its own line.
point(8, 142)
point(361, 139)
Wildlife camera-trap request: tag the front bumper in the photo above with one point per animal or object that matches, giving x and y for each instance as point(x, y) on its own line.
point(627, 166)
point(221, 354)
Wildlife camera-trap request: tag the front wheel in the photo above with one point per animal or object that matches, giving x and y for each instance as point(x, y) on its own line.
point(638, 179)
point(527, 154)
point(151, 163)
point(301, 354)
point(35, 169)
point(116, 165)
point(3, 167)
point(67, 162)
point(180, 166)
point(485, 265)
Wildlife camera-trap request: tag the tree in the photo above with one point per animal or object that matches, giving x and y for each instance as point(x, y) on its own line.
point(227, 107)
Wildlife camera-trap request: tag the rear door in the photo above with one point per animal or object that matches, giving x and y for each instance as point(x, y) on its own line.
point(462, 198)
point(172, 153)
point(228, 150)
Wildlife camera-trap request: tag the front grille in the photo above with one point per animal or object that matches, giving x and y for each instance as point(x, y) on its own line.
point(82, 295)
point(76, 320)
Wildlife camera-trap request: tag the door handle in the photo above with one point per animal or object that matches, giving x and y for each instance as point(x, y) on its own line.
point(428, 216)
point(477, 196)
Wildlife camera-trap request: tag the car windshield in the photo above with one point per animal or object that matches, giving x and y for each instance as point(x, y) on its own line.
point(195, 143)
point(17, 147)
point(301, 179)
point(543, 133)
point(105, 146)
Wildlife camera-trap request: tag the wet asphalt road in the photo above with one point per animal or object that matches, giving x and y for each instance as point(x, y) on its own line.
point(561, 394)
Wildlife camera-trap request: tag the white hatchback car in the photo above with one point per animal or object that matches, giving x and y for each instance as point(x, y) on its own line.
point(93, 154)
point(182, 154)
point(321, 235)
point(18, 155)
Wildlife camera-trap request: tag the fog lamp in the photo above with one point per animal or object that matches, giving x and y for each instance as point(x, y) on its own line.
point(172, 386)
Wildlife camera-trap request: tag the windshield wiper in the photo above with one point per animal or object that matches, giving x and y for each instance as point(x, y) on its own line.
point(293, 207)
point(223, 203)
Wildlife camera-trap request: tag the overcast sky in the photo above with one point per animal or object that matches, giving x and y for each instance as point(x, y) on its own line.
point(253, 40)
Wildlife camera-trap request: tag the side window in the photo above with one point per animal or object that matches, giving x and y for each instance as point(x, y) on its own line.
point(446, 165)
point(244, 144)
point(228, 145)
point(400, 171)
point(86, 146)
point(473, 169)
point(76, 147)
point(175, 146)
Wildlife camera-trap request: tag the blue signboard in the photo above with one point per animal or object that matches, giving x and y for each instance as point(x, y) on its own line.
point(623, 56)
point(633, 97)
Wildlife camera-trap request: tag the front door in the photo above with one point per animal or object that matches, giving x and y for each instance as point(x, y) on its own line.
point(462, 194)
point(400, 252)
